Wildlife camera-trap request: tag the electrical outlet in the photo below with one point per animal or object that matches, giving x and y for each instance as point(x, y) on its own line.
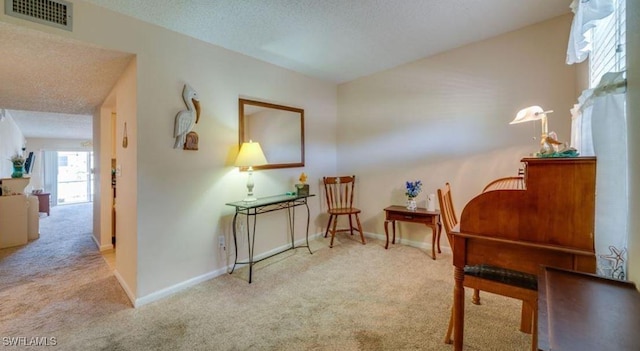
point(221, 241)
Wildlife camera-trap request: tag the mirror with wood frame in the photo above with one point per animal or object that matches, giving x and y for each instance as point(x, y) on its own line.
point(279, 130)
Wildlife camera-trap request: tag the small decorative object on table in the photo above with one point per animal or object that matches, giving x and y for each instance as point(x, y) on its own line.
point(431, 202)
point(551, 147)
point(18, 165)
point(303, 188)
point(412, 191)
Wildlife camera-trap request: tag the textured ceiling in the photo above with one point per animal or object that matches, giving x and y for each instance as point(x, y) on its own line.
point(47, 73)
point(50, 73)
point(333, 40)
point(340, 40)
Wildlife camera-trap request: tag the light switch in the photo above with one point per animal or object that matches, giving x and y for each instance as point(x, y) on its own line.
point(118, 171)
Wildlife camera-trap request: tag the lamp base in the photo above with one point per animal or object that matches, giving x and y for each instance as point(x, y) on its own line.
point(250, 197)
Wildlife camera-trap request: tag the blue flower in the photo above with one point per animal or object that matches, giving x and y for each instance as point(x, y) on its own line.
point(413, 188)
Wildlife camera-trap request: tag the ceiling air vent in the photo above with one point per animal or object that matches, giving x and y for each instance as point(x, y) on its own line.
point(52, 13)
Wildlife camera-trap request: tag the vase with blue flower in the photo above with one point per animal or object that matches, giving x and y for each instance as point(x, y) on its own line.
point(412, 190)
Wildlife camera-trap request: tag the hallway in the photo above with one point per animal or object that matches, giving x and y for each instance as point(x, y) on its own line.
point(60, 279)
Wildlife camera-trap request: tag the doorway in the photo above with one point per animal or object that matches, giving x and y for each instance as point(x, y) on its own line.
point(75, 179)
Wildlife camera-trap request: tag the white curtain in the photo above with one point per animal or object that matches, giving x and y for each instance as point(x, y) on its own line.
point(599, 128)
point(51, 175)
point(587, 13)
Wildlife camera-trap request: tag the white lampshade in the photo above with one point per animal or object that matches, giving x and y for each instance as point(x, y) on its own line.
point(531, 113)
point(250, 155)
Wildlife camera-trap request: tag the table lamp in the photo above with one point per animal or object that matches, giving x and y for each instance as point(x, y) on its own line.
point(534, 113)
point(250, 155)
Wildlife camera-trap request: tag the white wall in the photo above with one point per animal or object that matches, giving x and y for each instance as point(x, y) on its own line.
point(446, 118)
point(633, 120)
point(11, 143)
point(180, 195)
point(39, 145)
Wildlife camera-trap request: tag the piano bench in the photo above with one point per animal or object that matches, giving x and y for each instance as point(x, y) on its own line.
point(503, 275)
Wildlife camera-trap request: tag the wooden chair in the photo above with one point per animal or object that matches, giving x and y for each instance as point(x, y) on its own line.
point(339, 193)
point(491, 277)
point(450, 220)
point(485, 277)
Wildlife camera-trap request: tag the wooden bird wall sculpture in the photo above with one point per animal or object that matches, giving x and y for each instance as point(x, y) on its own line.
point(186, 119)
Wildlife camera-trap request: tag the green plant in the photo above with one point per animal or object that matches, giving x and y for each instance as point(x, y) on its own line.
point(17, 159)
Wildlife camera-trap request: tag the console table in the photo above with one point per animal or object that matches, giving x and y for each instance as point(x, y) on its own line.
point(251, 209)
point(420, 215)
point(581, 311)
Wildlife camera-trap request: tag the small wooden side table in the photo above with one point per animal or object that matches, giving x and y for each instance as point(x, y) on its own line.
point(400, 213)
point(43, 202)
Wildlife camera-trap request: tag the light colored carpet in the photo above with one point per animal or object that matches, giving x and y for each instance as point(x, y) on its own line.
point(59, 280)
point(350, 297)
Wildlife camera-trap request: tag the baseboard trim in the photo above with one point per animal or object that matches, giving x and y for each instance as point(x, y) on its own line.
point(125, 287)
point(280, 248)
point(168, 291)
point(101, 247)
point(412, 243)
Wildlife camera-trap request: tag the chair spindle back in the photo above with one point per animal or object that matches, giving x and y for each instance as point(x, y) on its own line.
point(339, 191)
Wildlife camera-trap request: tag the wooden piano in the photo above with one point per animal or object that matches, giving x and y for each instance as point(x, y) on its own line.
point(544, 217)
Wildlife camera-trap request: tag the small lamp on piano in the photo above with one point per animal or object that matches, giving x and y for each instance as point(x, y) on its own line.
point(250, 155)
point(534, 113)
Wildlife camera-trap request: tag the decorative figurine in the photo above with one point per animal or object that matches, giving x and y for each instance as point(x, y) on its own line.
point(187, 119)
point(551, 147)
point(303, 188)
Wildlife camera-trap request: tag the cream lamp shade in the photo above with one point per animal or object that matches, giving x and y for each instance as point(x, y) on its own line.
point(533, 113)
point(250, 155)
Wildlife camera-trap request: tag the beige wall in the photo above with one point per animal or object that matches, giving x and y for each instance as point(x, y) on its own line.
point(123, 102)
point(633, 120)
point(181, 195)
point(103, 194)
point(446, 118)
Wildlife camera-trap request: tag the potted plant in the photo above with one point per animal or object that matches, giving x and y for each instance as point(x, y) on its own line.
point(18, 165)
point(412, 191)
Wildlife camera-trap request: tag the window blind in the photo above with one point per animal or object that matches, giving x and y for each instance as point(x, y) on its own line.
point(609, 45)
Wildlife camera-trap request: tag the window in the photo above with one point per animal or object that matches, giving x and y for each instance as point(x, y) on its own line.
point(63, 161)
point(601, 122)
point(609, 45)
